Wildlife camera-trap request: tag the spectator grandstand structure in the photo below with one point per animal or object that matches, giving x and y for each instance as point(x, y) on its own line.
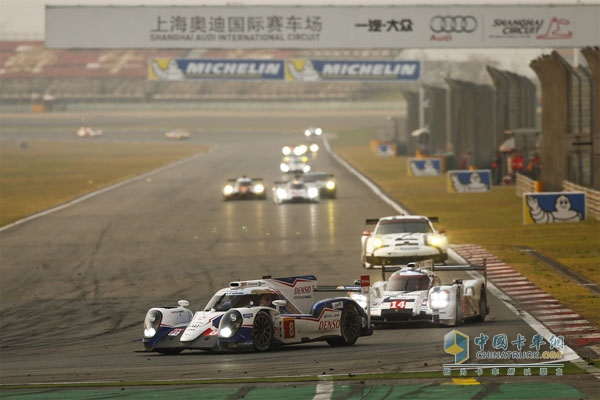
point(29, 72)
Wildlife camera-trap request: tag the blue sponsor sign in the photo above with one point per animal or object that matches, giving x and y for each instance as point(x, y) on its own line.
point(314, 70)
point(547, 208)
point(424, 166)
point(386, 150)
point(185, 69)
point(469, 181)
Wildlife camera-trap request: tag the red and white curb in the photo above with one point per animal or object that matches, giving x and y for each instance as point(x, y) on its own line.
point(560, 320)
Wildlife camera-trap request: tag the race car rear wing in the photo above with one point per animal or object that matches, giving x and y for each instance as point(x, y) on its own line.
point(374, 221)
point(428, 264)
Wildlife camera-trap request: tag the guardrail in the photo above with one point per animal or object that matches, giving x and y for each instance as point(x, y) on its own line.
point(592, 198)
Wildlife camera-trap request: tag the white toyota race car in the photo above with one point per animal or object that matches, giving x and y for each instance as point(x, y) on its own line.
point(295, 191)
point(400, 239)
point(257, 314)
point(415, 292)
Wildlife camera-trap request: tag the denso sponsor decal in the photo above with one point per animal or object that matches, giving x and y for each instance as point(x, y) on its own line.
point(176, 331)
point(329, 325)
point(247, 315)
point(303, 290)
point(212, 331)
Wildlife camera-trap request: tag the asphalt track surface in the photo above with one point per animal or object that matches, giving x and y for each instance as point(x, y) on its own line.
point(76, 283)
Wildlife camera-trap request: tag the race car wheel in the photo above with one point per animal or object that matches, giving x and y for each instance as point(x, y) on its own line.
point(349, 327)
point(262, 331)
point(482, 305)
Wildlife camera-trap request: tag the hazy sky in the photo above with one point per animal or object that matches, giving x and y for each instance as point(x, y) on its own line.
point(24, 20)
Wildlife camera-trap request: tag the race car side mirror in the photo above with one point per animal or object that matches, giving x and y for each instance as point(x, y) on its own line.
point(279, 304)
point(366, 232)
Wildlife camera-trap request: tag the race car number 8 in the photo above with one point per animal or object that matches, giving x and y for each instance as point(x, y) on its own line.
point(289, 328)
point(398, 304)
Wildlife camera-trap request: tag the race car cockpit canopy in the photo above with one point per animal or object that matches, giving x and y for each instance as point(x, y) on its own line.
point(408, 282)
point(254, 297)
point(403, 226)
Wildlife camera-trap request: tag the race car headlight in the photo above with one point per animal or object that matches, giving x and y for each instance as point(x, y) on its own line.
point(306, 168)
point(318, 131)
point(259, 188)
point(314, 147)
point(313, 192)
point(330, 185)
point(436, 241)
point(152, 323)
point(281, 193)
point(299, 150)
point(284, 167)
point(438, 300)
point(286, 150)
point(307, 132)
point(227, 190)
point(230, 324)
point(377, 242)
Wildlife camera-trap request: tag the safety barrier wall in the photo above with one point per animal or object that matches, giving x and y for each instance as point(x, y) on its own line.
point(471, 122)
point(592, 205)
point(570, 145)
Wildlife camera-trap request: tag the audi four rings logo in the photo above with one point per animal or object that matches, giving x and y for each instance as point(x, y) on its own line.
point(453, 24)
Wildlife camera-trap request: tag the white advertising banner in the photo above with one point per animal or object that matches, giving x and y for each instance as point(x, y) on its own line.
point(351, 27)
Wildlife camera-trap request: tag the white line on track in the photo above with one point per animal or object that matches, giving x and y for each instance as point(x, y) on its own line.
point(100, 191)
point(324, 389)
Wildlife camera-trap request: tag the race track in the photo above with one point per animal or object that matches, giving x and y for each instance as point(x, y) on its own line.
point(76, 283)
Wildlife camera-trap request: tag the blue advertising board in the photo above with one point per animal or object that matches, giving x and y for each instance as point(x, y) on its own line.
point(546, 208)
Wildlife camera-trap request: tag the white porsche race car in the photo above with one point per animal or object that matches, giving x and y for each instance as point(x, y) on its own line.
point(400, 239)
point(295, 191)
point(257, 314)
point(244, 188)
point(415, 292)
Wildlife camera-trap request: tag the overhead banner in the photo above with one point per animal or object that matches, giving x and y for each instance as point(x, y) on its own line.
point(289, 70)
point(302, 27)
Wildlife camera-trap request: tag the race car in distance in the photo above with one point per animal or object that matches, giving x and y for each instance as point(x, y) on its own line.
point(313, 131)
point(415, 292)
point(244, 188)
point(295, 191)
point(178, 134)
point(324, 181)
point(300, 149)
point(294, 164)
point(87, 131)
point(400, 239)
point(257, 314)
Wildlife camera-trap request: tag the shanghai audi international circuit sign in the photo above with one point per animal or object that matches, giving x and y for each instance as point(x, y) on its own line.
point(351, 27)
